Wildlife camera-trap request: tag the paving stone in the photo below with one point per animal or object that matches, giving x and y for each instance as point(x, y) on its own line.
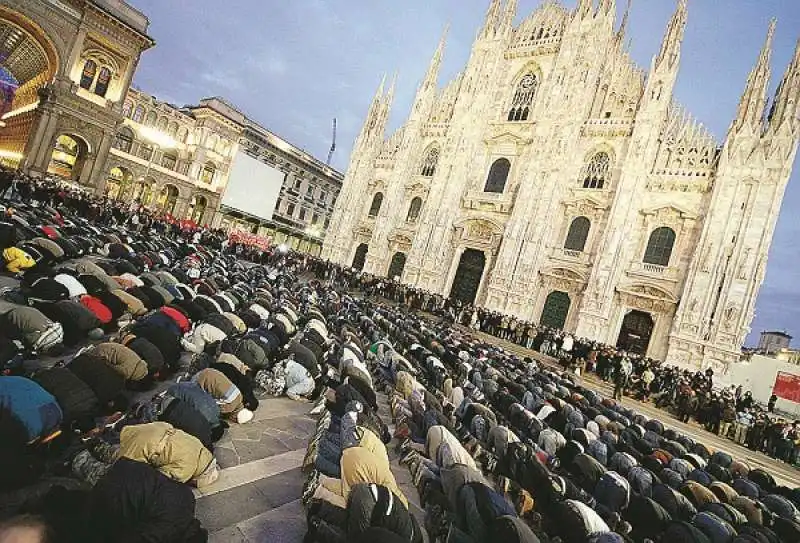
point(226, 457)
point(230, 507)
point(282, 488)
point(231, 534)
point(256, 450)
point(286, 524)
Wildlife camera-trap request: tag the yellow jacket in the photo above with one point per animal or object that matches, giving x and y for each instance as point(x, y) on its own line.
point(17, 260)
point(176, 454)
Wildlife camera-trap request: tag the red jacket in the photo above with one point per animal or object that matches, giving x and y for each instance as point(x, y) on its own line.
point(179, 318)
point(97, 307)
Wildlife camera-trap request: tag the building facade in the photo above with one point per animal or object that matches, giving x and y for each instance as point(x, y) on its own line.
point(66, 68)
point(310, 188)
point(175, 160)
point(554, 180)
point(772, 342)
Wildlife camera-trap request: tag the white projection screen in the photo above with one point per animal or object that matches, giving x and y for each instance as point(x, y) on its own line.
point(253, 187)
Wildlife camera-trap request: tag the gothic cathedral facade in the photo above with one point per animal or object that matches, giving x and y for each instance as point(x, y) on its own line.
point(554, 180)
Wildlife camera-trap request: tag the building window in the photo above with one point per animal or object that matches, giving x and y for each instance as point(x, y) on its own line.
point(315, 219)
point(138, 114)
point(162, 124)
point(498, 175)
point(523, 98)
point(124, 140)
point(430, 162)
point(146, 151)
point(127, 109)
point(87, 76)
point(297, 182)
point(377, 201)
point(207, 175)
point(310, 191)
point(302, 214)
point(414, 209)
point(169, 161)
point(578, 234)
point(595, 173)
point(323, 197)
point(172, 130)
point(183, 134)
point(327, 222)
point(659, 247)
point(103, 80)
point(290, 209)
point(151, 118)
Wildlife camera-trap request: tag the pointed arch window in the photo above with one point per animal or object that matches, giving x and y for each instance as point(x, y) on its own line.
point(377, 201)
point(523, 98)
point(414, 209)
point(124, 139)
point(659, 246)
point(596, 173)
point(151, 118)
point(103, 81)
point(207, 175)
point(430, 162)
point(87, 76)
point(127, 109)
point(578, 234)
point(498, 175)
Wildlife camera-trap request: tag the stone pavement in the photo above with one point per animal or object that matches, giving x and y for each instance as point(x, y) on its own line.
point(257, 497)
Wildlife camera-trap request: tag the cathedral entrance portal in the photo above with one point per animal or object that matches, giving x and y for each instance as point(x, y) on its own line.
point(361, 257)
point(397, 265)
point(636, 331)
point(468, 276)
point(556, 309)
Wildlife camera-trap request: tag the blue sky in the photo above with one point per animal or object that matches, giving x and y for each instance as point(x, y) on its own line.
point(294, 65)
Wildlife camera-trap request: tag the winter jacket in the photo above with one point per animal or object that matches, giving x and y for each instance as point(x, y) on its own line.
point(98, 308)
point(122, 359)
point(134, 503)
point(226, 394)
point(76, 398)
point(134, 304)
point(176, 454)
point(371, 506)
point(183, 416)
point(241, 382)
point(17, 260)
point(199, 399)
point(24, 323)
point(105, 382)
point(31, 404)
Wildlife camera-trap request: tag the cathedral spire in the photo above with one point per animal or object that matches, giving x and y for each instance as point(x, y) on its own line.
point(373, 116)
point(754, 98)
point(623, 27)
point(386, 108)
point(671, 46)
point(507, 23)
point(606, 7)
point(787, 98)
point(584, 9)
point(427, 90)
point(492, 20)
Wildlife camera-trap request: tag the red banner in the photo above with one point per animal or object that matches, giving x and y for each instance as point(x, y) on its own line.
point(246, 238)
point(787, 386)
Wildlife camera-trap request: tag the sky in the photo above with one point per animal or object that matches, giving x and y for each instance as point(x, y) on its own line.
point(295, 65)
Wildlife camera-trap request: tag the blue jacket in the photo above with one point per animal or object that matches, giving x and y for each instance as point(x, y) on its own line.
point(36, 408)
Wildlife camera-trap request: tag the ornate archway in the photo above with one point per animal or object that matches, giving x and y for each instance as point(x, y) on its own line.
point(167, 199)
point(68, 157)
point(119, 183)
point(197, 208)
point(28, 61)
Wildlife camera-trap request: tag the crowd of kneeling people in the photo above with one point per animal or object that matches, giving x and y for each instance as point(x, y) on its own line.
point(105, 442)
point(125, 356)
point(501, 450)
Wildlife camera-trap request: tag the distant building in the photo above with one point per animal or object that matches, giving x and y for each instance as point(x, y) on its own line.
point(310, 189)
point(772, 342)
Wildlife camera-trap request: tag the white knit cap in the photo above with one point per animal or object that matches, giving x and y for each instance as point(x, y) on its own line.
point(244, 416)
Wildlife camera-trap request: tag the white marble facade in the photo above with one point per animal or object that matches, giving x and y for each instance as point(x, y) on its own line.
point(574, 172)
